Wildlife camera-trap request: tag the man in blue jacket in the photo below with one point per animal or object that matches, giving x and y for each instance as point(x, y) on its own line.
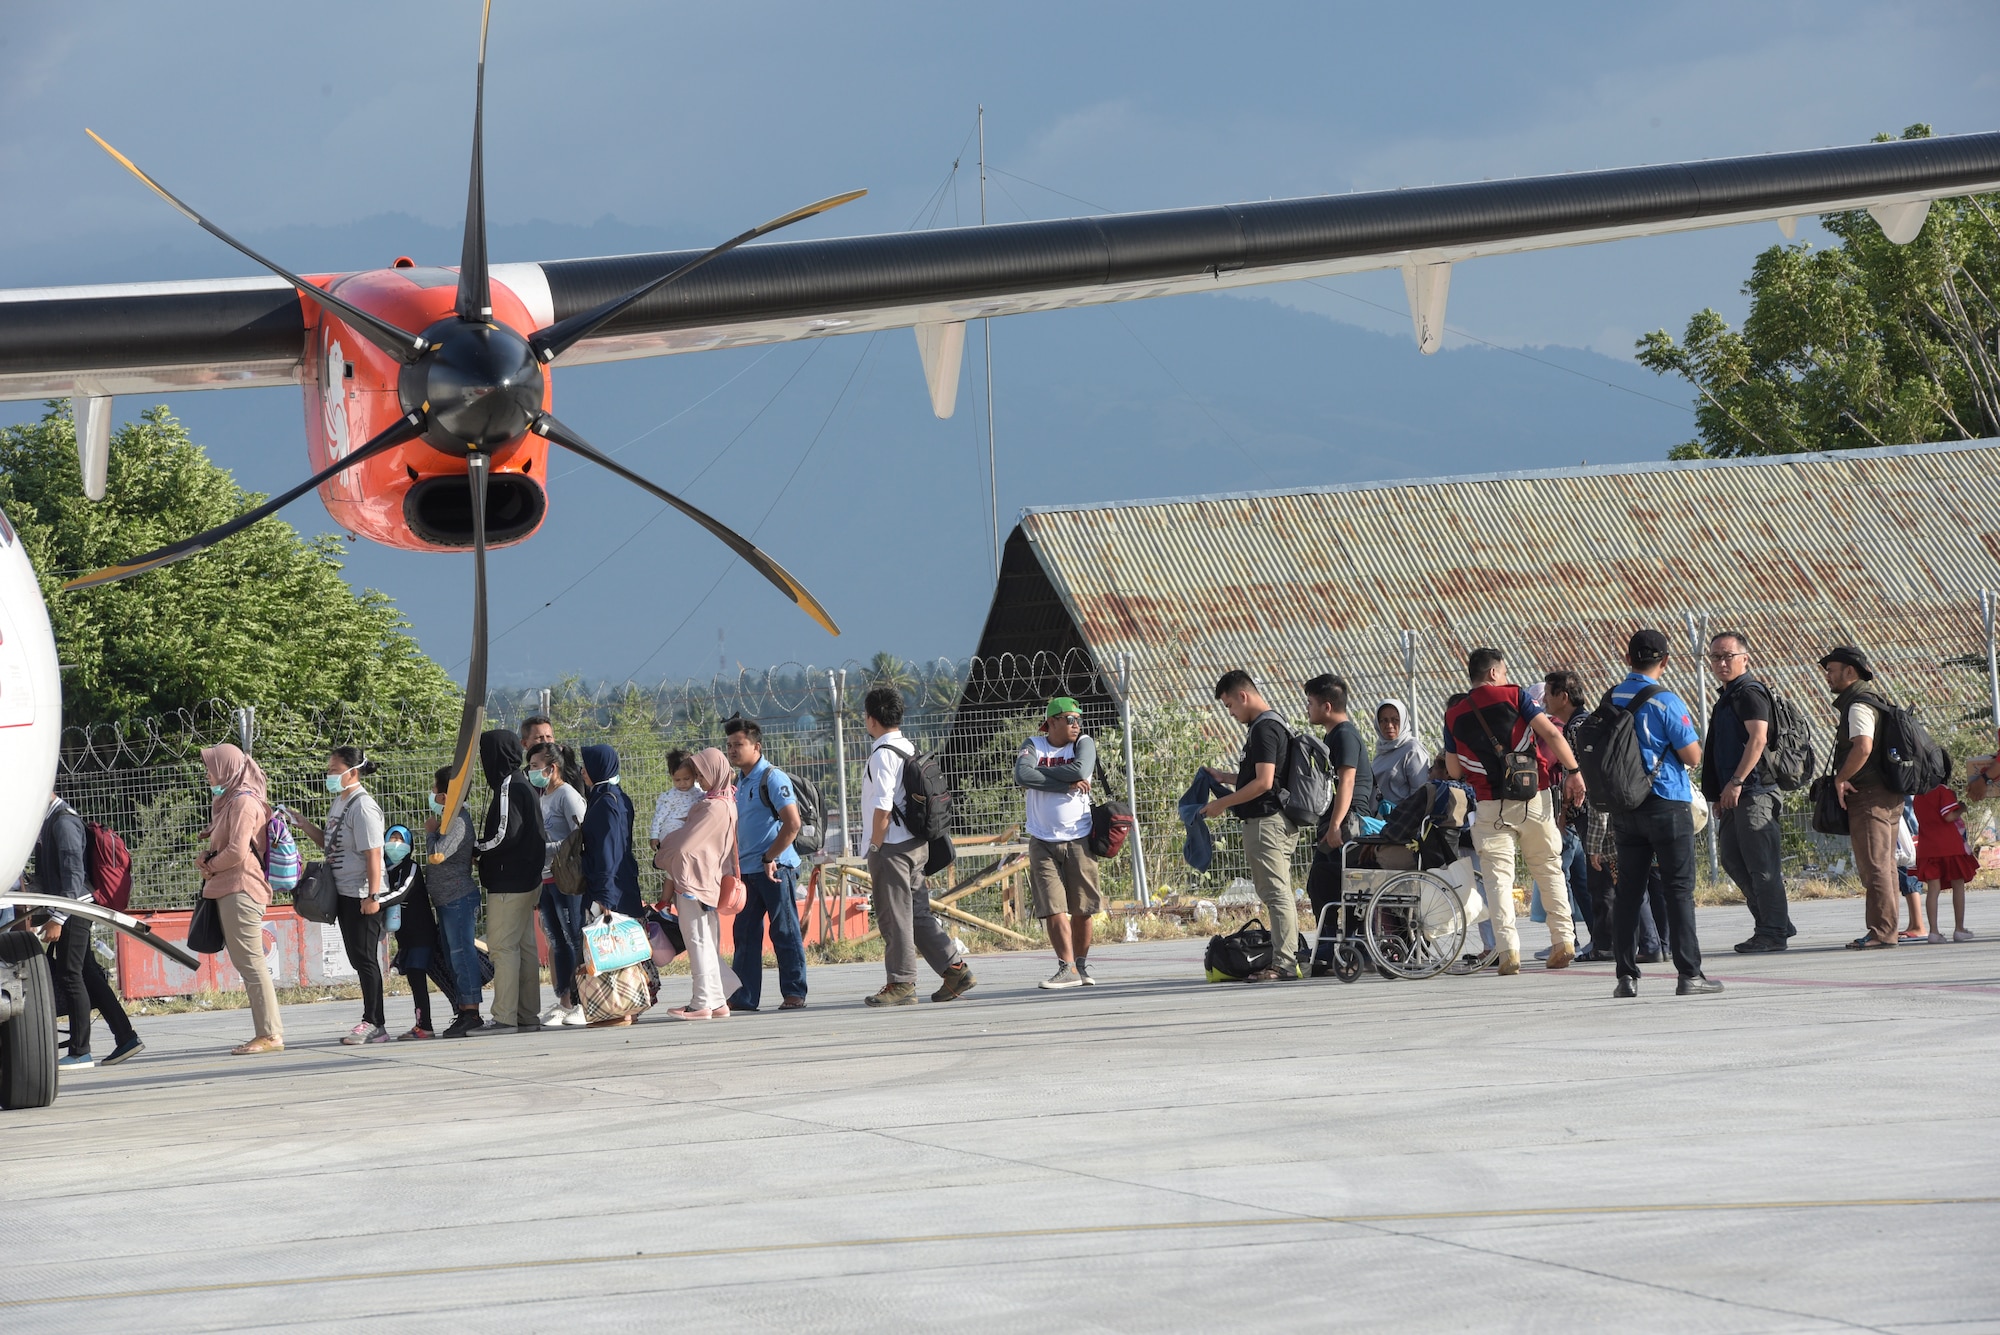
point(767, 820)
point(1662, 828)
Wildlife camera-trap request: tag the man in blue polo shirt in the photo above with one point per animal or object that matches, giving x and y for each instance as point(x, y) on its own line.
point(1662, 828)
point(767, 820)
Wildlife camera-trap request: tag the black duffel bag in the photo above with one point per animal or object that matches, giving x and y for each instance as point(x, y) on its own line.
point(1247, 950)
point(1828, 816)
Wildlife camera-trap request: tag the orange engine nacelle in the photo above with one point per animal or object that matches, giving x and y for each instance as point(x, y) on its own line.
point(414, 496)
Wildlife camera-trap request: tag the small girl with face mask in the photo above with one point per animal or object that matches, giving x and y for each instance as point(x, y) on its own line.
point(414, 924)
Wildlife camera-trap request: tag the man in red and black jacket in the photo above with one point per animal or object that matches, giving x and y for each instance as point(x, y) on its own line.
point(1497, 719)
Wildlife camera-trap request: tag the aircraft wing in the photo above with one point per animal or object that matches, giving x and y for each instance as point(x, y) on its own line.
point(156, 337)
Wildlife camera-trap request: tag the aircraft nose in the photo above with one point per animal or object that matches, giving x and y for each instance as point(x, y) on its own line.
point(482, 383)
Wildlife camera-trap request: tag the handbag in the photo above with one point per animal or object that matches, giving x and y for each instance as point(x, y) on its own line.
point(613, 942)
point(205, 928)
point(567, 865)
point(614, 995)
point(314, 898)
point(1520, 776)
point(1828, 815)
point(734, 894)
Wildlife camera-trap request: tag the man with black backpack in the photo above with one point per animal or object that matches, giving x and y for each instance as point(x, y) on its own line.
point(1873, 805)
point(1499, 740)
point(1736, 779)
point(1659, 828)
point(1269, 838)
point(891, 780)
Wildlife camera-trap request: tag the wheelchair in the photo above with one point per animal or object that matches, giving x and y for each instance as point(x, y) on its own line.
point(1406, 909)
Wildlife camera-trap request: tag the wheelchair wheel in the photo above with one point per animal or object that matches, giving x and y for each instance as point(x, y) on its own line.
point(1346, 962)
point(1415, 926)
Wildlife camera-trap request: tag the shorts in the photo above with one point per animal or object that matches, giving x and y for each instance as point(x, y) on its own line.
point(1945, 870)
point(1063, 877)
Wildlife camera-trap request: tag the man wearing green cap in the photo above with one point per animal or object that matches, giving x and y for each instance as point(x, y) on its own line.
point(1055, 766)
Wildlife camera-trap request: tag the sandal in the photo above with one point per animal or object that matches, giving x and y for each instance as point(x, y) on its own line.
point(1870, 943)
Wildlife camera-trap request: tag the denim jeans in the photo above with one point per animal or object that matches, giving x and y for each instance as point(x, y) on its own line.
point(562, 923)
point(1660, 832)
point(456, 922)
point(1198, 850)
point(770, 898)
point(1576, 870)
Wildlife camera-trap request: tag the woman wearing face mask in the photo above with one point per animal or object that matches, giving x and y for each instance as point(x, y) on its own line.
point(352, 839)
point(562, 915)
point(406, 896)
point(1401, 767)
point(455, 895)
point(232, 874)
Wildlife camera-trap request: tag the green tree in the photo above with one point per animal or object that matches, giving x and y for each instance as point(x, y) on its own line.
point(264, 618)
point(1867, 343)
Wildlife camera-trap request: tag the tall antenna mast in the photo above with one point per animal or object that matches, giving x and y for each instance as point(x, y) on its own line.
point(986, 341)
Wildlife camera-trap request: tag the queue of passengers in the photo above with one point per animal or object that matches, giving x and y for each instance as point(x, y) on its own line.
point(1625, 878)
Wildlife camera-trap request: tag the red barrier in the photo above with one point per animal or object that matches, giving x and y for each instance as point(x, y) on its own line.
point(294, 949)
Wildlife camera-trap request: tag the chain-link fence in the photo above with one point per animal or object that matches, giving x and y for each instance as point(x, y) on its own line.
point(146, 780)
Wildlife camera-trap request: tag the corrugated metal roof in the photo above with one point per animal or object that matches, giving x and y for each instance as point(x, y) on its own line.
point(1885, 548)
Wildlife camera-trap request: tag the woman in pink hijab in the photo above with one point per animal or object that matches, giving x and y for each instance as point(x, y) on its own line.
point(232, 874)
point(695, 858)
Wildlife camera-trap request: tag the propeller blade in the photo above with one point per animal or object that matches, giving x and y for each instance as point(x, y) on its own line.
point(550, 429)
point(475, 292)
point(396, 342)
point(552, 342)
point(472, 721)
point(406, 428)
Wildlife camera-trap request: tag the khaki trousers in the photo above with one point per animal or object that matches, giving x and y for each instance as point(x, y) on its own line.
point(1268, 845)
point(1872, 814)
point(1530, 829)
point(243, 937)
point(517, 981)
point(903, 912)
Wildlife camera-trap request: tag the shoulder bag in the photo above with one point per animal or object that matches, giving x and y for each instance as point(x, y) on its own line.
point(1521, 771)
point(734, 894)
point(314, 898)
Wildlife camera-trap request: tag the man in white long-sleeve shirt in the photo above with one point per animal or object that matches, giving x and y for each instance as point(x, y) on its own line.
point(896, 861)
point(1054, 767)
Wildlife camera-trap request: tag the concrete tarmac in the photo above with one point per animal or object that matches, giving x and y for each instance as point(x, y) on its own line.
point(1814, 1149)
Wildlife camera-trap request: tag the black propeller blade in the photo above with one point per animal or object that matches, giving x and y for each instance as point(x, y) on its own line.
point(550, 429)
point(396, 342)
point(552, 342)
point(472, 718)
point(406, 428)
point(475, 292)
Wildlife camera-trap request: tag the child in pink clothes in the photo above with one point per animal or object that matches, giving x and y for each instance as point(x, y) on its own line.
point(1942, 858)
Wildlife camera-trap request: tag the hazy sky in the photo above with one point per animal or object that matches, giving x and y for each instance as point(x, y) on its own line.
point(624, 125)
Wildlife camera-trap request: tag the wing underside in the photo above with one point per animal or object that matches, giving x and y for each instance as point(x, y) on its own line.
point(162, 337)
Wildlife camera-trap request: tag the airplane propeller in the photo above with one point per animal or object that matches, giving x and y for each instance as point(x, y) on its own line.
point(470, 385)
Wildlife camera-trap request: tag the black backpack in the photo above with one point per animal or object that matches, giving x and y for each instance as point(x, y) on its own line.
point(927, 798)
point(1607, 750)
point(1788, 754)
point(811, 837)
point(1912, 761)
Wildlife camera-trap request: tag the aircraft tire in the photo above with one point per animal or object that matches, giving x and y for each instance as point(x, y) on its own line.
point(28, 1041)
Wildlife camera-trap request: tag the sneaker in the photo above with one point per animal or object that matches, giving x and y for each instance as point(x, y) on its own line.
point(553, 1015)
point(574, 1018)
point(80, 1061)
point(131, 1047)
point(1544, 952)
point(1083, 972)
point(1759, 945)
point(489, 1028)
point(1064, 976)
point(1936, 938)
point(957, 981)
point(359, 1034)
point(416, 1034)
point(892, 994)
point(1962, 934)
point(1510, 963)
point(467, 1023)
point(380, 1035)
point(1560, 956)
